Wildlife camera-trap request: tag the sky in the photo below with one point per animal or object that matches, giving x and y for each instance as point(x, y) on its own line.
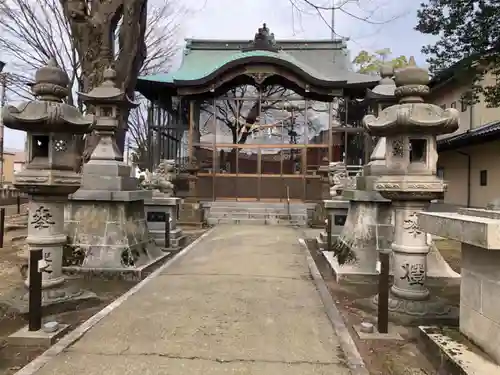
point(391, 25)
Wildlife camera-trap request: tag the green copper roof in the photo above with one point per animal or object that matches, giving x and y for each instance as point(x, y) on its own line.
point(198, 64)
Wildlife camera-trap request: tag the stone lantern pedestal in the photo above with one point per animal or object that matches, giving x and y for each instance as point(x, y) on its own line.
point(49, 176)
point(163, 206)
point(317, 215)
point(367, 208)
point(156, 208)
point(335, 207)
point(106, 219)
point(191, 211)
point(410, 182)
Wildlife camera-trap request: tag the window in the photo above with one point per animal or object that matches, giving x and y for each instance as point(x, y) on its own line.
point(454, 105)
point(463, 105)
point(483, 177)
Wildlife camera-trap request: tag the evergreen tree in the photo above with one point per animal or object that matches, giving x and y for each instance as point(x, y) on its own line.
point(469, 38)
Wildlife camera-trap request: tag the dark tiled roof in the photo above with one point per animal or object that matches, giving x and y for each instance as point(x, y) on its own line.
point(486, 133)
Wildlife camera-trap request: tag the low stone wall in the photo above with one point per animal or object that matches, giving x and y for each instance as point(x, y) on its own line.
point(479, 298)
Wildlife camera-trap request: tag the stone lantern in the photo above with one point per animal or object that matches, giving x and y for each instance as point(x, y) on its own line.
point(191, 211)
point(108, 101)
point(381, 97)
point(410, 182)
point(324, 173)
point(52, 127)
point(318, 213)
point(106, 219)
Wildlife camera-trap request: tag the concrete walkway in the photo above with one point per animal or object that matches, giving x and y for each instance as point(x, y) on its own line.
point(240, 302)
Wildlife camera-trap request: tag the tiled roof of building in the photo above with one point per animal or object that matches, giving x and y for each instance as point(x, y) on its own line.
point(323, 60)
point(485, 133)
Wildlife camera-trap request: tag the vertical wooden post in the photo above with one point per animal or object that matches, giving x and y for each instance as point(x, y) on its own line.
point(167, 230)
point(35, 291)
point(190, 132)
point(328, 232)
point(2, 225)
point(383, 293)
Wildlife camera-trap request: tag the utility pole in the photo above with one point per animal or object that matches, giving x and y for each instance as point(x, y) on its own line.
point(3, 98)
point(332, 26)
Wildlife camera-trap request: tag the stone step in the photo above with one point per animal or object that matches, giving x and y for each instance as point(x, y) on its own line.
point(256, 205)
point(247, 221)
point(257, 215)
point(257, 210)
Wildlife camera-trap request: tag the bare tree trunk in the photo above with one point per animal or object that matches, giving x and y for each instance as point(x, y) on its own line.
point(93, 24)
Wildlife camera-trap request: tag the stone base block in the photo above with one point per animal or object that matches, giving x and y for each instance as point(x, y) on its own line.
point(106, 195)
point(438, 269)
point(409, 312)
point(337, 210)
point(110, 235)
point(316, 216)
point(121, 273)
point(375, 335)
point(156, 214)
point(40, 338)
point(322, 241)
point(191, 214)
point(454, 354)
point(177, 238)
point(349, 273)
point(61, 298)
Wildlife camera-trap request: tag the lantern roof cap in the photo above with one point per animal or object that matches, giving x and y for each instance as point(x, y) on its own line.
point(412, 115)
point(411, 75)
point(48, 113)
point(51, 82)
point(107, 92)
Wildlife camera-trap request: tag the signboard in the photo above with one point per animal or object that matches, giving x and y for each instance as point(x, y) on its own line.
point(339, 220)
point(156, 217)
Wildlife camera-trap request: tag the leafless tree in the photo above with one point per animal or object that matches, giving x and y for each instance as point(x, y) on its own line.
point(85, 37)
point(138, 134)
point(366, 11)
point(230, 111)
point(239, 114)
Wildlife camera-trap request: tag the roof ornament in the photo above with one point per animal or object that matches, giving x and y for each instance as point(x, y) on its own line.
point(263, 41)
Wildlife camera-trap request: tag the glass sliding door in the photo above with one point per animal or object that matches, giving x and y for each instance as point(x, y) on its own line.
point(267, 143)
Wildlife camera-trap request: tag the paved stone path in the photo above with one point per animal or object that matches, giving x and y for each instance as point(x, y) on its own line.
point(240, 302)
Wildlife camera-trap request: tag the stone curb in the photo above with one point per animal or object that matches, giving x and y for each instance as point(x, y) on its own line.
point(35, 365)
point(353, 358)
